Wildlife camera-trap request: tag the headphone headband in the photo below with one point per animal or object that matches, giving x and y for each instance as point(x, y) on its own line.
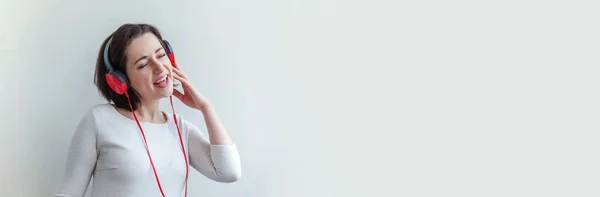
point(169, 49)
point(109, 66)
point(106, 59)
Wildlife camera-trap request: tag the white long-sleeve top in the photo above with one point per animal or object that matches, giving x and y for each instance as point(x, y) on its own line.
point(109, 147)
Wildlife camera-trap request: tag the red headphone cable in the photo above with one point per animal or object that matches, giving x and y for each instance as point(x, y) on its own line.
point(148, 150)
point(182, 147)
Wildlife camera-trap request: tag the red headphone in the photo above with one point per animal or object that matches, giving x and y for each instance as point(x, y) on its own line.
point(119, 83)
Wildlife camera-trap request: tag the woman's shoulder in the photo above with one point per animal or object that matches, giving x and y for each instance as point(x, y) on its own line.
point(103, 110)
point(88, 122)
point(100, 109)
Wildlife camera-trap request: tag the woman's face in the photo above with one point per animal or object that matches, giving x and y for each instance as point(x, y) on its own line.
point(148, 68)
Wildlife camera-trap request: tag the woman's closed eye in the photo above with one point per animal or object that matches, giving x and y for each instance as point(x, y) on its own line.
point(142, 66)
point(145, 64)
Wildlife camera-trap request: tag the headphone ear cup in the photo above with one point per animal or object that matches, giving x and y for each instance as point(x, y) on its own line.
point(117, 82)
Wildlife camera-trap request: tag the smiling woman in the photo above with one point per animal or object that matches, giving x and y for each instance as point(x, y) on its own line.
point(134, 70)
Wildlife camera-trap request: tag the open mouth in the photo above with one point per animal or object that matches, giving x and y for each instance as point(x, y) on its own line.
point(162, 82)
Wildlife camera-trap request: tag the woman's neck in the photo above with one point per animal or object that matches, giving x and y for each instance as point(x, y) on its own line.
point(150, 113)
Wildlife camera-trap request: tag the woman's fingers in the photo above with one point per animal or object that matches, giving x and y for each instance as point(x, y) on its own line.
point(178, 94)
point(181, 79)
point(179, 72)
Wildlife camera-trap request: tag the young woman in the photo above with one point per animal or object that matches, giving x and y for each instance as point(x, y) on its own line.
point(129, 146)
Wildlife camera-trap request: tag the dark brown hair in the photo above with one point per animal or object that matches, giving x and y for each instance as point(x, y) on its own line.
point(121, 38)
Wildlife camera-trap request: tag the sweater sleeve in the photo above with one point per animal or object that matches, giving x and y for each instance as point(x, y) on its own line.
point(220, 163)
point(81, 159)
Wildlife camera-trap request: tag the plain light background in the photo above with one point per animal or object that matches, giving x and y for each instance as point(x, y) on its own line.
point(330, 97)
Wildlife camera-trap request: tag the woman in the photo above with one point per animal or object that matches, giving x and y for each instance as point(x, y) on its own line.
point(129, 146)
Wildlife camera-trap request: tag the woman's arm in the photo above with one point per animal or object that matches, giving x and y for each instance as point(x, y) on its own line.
point(217, 159)
point(81, 159)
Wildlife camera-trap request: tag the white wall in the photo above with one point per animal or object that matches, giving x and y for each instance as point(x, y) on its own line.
point(332, 98)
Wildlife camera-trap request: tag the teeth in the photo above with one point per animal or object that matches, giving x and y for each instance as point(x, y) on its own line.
point(164, 79)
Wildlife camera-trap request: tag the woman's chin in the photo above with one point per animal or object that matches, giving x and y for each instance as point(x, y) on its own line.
point(166, 92)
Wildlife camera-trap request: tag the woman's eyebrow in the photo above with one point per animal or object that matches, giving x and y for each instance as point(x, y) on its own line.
point(145, 56)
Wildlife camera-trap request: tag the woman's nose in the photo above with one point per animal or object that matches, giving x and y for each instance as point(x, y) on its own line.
point(158, 67)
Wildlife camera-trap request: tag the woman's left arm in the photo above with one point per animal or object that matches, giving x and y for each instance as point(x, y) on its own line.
point(192, 98)
point(216, 157)
point(219, 162)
